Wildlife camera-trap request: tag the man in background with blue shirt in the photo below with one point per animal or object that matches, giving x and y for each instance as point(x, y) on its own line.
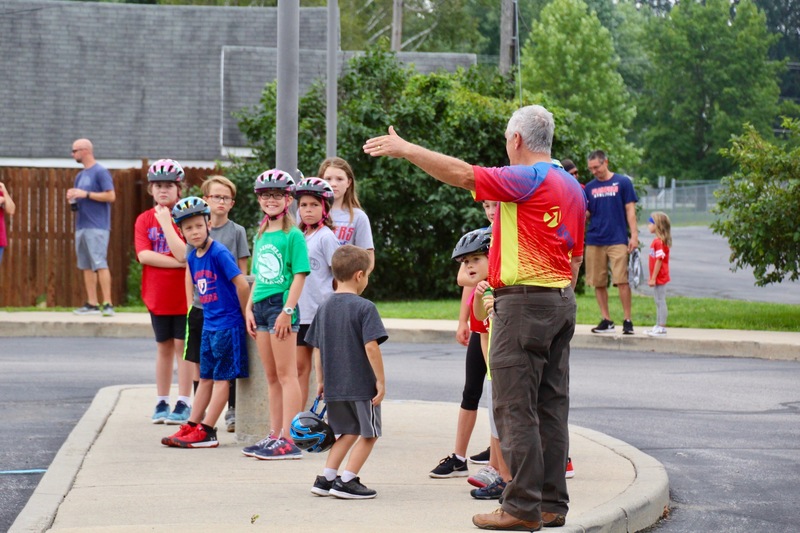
point(91, 198)
point(611, 213)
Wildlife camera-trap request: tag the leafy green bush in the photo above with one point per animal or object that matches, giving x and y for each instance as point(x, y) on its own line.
point(415, 219)
point(760, 205)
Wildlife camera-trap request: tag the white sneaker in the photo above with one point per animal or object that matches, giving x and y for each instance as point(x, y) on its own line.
point(657, 331)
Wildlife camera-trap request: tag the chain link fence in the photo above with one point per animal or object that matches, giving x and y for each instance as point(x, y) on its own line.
point(688, 203)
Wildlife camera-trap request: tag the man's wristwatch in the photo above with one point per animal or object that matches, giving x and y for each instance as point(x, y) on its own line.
point(288, 310)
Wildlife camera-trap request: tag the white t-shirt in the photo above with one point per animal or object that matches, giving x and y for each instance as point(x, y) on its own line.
point(358, 232)
point(319, 282)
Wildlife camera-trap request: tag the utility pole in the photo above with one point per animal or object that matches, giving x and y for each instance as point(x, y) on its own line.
point(288, 85)
point(331, 110)
point(507, 36)
point(397, 25)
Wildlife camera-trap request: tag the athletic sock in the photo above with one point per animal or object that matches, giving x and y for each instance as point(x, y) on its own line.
point(462, 459)
point(348, 476)
point(329, 473)
point(186, 400)
point(163, 399)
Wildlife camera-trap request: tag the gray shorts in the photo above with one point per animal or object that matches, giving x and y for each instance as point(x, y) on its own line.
point(357, 417)
point(91, 247)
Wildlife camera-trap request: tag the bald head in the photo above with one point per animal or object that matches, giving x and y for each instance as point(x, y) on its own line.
point(83, 152)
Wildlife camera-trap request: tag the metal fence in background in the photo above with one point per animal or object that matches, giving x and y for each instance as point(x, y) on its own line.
point(686, 202)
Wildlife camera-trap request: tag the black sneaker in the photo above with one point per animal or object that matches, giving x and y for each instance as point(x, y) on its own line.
point(450, 466)
point(322, 487)
point(352, 490)
point(627, 327)
point(605, 326)
point(481, 458)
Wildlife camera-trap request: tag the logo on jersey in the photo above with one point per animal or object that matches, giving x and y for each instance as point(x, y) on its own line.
point(552, 217)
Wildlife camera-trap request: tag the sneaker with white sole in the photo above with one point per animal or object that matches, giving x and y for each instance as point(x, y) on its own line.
point(201, 437)
point(352, 490)
point(279, 449)
point(657, 331)
point(180, 415)
point(322, 487)
point(627, 327)
point(107, 309)
point(570, 473)
point(161, 413)
point(250, 451)
point(605, 326)
point(450, 466)
point(230, 420)
point(481, 458)
point(485, 476)
point(181, 433)
point(87, 309)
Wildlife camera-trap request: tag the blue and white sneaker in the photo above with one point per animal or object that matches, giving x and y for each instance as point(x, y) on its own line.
point(161, 413)
point(179, 415)
point(250, 451)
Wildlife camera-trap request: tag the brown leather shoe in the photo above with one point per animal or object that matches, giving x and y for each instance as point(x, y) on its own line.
point(553, 519)
point(499, 519)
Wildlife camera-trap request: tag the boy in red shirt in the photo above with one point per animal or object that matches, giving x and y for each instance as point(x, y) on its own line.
point(163, 258)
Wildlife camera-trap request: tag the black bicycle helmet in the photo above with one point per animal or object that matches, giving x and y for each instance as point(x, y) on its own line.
point(310, 432)
point(476, 241)
point(189, 207)
point(165, 170)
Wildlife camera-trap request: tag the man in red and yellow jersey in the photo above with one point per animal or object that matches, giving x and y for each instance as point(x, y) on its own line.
point(537, 248)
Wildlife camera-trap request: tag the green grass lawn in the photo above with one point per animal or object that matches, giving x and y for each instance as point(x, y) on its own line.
point(704, 313)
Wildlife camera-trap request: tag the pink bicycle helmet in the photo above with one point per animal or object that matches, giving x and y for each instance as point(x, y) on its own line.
point(165, 170)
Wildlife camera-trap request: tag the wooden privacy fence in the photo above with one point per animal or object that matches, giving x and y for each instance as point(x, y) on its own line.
point(39, 264)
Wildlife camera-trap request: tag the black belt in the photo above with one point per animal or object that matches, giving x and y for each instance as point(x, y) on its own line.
point(524, 289)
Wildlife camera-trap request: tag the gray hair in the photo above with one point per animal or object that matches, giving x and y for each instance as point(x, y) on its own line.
point(535, 125)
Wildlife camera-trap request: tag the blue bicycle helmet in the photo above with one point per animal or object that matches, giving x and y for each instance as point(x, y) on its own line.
point(310, 432)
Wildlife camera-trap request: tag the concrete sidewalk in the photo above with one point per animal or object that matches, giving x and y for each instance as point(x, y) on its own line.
point(112, 474)
point(710, 342)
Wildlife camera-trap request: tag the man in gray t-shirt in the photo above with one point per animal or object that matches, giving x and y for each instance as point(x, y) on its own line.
point(91, 199)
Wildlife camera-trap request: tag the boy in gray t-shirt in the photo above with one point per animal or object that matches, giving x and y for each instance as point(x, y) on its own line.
point(346, 334)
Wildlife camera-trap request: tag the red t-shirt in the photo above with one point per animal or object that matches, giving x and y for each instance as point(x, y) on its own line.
point(163, 289)
point(475, 325)
point(659, 251)
point(539, 224)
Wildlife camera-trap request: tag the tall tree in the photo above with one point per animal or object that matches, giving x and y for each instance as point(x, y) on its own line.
point(570, 58)
point(711, 74)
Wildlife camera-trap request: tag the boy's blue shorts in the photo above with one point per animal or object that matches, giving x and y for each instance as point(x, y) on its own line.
point(223, 354)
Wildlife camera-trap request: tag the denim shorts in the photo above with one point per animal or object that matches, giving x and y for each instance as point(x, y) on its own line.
point(269, 309)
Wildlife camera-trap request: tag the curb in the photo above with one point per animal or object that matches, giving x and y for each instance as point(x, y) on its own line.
point(641, 505)
point(724, 343)
point(40, 511)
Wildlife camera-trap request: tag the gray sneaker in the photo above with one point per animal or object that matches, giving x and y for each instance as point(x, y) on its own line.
point(108, 309)
point(230, 420)
point(87, 309)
